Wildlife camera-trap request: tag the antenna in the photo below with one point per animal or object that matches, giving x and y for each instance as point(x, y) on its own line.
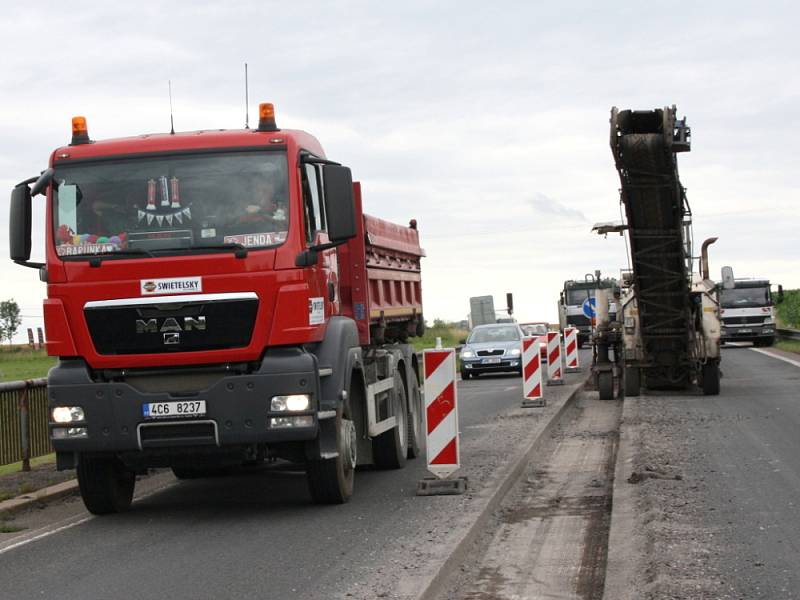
point(246, 101)
point(171, 121)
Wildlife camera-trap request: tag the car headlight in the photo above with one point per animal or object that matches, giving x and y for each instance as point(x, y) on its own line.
point(514, 352)
point(67, 414)
point(291, 403)
point(467, 354)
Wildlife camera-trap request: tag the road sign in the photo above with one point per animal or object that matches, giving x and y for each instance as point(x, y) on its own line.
point(441, 411)
point(589, 307)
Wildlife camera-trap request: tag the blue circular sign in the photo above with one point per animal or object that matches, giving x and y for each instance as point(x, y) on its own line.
point(588, 307)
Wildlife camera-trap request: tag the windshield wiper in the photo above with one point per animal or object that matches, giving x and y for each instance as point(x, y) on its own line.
point(239, 250)
point(96, 259)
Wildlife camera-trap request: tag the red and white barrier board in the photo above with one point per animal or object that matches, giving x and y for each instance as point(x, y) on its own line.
point(571, 348)
point(532, 390)
point(554, 373)
point(441, 411)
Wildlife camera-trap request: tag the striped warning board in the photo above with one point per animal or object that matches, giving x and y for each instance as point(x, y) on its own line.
point(554, 373)
point(571, 349)
point(531, 372)
point(441, 411)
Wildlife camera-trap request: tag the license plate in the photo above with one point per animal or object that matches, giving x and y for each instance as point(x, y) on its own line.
point(170, 410)
point(745, 331)
point(491, 361)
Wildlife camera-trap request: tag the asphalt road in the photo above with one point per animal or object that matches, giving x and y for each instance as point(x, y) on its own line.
point(750, 455)
point(251, 535)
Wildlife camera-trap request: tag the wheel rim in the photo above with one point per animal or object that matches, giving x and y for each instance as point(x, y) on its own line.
point(348, 444)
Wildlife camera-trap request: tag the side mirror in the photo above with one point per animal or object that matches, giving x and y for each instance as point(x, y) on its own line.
point(340, 206)
point(19, 233)
point(780, 294)
point(728, 282)
point(462, 341)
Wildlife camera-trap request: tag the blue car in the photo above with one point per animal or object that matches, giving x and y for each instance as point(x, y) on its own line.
point(492, 348)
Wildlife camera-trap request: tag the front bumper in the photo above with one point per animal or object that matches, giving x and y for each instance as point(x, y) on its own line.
point(747, 333)
point(479, 365)
point(237, 408)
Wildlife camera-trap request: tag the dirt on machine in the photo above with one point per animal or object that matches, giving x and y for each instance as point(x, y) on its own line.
point(668, 335)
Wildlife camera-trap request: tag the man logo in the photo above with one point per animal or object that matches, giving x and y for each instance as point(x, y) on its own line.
point(149, 286)
point(170, 325)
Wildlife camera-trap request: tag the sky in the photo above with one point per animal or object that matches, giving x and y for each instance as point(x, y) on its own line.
point(486, 122)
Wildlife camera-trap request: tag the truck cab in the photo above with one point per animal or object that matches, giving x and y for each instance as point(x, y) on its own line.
point(748, 312)
point(574, 295)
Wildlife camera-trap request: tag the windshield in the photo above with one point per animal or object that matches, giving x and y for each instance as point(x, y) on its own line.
point(745, 297)
point(171, 203)
point(536, 329)
point(577, 296)
point(494, 334)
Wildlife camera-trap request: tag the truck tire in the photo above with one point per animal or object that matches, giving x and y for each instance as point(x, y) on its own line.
point(106, 485)
point(330, 480)
point(632, 381)
point(416, 424)
point(465, 375)
point(390, 448)
point(710, 380)
point(605, 385)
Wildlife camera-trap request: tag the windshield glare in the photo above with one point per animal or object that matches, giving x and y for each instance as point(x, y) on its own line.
point(494, 334)
point(744, 297)
point(171, 203)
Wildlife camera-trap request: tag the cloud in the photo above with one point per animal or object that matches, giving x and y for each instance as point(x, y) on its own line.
point(547, 206)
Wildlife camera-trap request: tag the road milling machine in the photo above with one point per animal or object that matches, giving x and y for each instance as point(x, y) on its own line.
point(669, 334)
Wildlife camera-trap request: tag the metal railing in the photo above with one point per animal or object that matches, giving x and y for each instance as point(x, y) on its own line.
point(788, 334)
point(24, 431)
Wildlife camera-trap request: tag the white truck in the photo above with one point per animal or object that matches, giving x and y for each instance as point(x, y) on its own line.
point(748, 312)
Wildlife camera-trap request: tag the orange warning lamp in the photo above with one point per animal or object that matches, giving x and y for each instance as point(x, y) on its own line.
point(266, 117)
point(80, 131)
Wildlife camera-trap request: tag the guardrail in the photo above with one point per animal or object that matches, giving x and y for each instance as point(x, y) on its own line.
point(24, 433)
point(788, 334)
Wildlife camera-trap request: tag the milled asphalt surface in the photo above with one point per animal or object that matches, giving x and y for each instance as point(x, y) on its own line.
point(257, 534)
point(744, 449)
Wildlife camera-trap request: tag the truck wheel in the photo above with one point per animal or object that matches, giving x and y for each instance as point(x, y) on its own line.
point(632, 381)
point(330, 480)
point(605, 385)
point(389, 449)
point(106, 485)
point(416, 424)
point(465, 375)
point(710, 380)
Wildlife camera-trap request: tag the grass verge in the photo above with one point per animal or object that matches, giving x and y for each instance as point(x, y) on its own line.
point(19, 362)
point(788, 345)
point(35, 462)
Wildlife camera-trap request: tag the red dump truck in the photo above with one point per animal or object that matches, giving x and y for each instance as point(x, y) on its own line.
point(218, 298)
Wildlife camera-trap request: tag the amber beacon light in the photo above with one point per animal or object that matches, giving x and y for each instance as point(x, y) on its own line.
point(80, 131)
point(266, 117)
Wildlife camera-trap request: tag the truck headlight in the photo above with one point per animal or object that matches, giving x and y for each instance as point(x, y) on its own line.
point(67, 414)
point(63, 433)
point(769, 321)
point(514, 352)
point(291, 403)
point(467, 354)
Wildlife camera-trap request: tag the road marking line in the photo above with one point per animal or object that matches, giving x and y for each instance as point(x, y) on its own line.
point(44, 534)
point(783, 358)
point(48, 532)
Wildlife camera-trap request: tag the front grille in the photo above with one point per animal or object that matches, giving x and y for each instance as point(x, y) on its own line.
point(185, 327)
point(490, 352)
point(162, 435)
point(742, 320)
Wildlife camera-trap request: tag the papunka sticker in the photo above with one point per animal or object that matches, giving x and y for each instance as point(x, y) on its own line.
point(316, 311)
